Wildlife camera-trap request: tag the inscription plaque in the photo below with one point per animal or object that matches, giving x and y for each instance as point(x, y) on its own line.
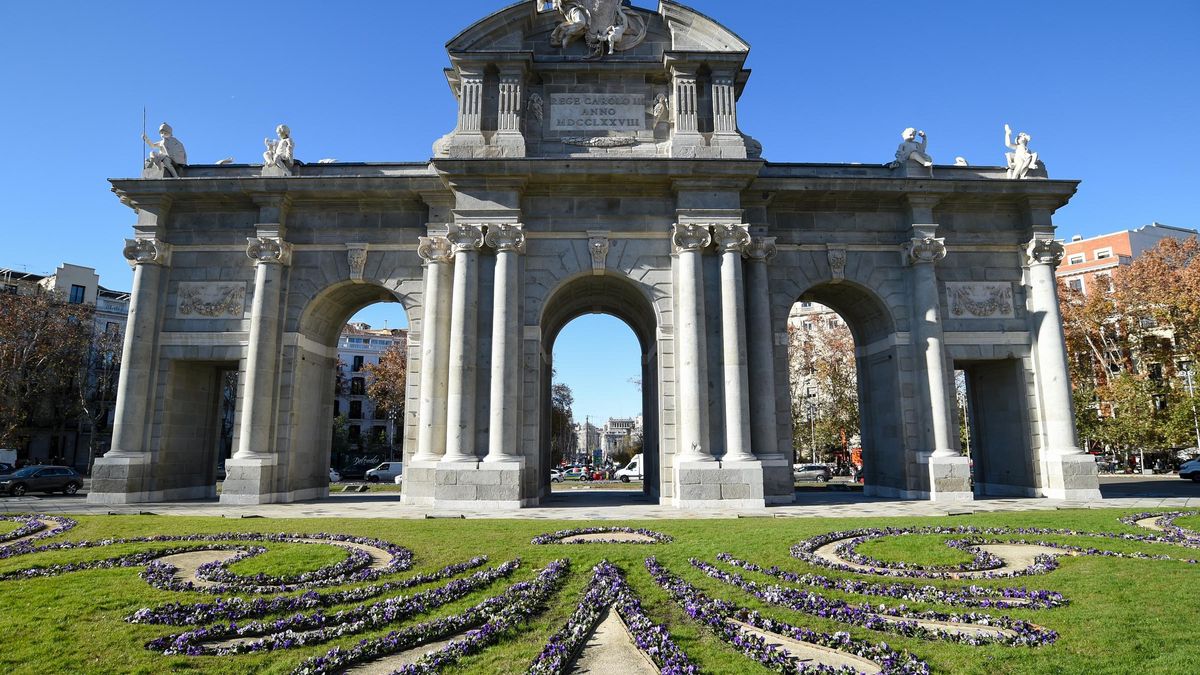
point(594, 113)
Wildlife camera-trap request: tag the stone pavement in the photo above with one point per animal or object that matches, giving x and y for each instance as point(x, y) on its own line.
point(599, 504)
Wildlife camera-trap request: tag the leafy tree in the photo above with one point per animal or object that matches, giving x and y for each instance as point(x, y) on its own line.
point(386, 381)
point(98, 396)
point(340, 447)
point(44, 345)
point(562, 422)
point(823, 377)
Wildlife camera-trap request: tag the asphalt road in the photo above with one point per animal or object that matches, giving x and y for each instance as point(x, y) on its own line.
point(1165, 485)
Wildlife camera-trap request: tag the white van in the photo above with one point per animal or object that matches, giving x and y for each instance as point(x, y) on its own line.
point(632, 470)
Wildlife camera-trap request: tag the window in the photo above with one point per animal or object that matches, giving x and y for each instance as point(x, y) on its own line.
point(1103, 253)
point(1105, 281)
point(112, 328)
point(355, 433)
point(76, 297)
point(1077, 259)
point(358, 364)
point(1075, 284)
point(380, 434)
point(358, 386)
point(337, 408)
point(806, 305)
point(1156, 372)
point(356, 410)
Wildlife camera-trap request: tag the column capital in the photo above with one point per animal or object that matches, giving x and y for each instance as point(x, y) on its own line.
point(923, 250)
point(143, 251)
point(435, 250)
point(760, 249)
point(506, 237)
point(1044, 252)
point(732, 237)
point(268, 251)
point(465, 237)
point(691, 237)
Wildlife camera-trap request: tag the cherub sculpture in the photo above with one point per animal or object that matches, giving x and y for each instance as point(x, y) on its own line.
point(280, 156)
point(574, 24)
point(661, 109)
point(1021, 160)
point(168, 154)
point(911, 148)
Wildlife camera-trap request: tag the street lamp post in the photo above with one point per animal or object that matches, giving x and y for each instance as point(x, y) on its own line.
point(812, 430)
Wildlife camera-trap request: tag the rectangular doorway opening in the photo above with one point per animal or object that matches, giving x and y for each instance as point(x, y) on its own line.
point(198, 434)
point(994, 427)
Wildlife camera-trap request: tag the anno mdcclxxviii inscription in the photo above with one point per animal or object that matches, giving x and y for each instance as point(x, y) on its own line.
point(597, 112)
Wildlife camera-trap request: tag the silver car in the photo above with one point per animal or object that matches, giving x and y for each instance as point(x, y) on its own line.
point(811, 472)
point(385, 472)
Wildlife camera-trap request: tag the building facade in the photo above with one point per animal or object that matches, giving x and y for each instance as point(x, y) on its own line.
point(358, 347)
point(76, 284)
point(585, 177)
point(1091, 261)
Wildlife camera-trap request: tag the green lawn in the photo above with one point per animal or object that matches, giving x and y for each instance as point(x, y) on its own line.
point(1123, 614)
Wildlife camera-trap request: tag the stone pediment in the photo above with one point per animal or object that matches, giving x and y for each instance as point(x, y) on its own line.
point(572, 78)
point(527, 26)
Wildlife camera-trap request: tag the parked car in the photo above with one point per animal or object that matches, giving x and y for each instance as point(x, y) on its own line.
point(576, 473)
point(386, 471)
point(810, 472)
point(1190, 470)
point(41, 479)
point(334, 476)
point(632, 470)
point(556, 475)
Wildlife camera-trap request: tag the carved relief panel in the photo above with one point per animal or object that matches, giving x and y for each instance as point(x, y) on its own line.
point(211, 300)
point(980, 299)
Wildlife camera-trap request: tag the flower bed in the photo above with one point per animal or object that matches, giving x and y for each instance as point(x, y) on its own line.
point(716, 615)
point(305, 629)
point(230, 609)
point(971, 538)
point(558, 537)
point(970, 596)
point(608, 588)
point(909, 623)
point(1166, 520)
point(31, 525)
point(162, 575)
point(485, 622)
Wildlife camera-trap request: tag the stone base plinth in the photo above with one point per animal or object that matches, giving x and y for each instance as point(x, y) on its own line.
point(121, 480)
point(912, 169)
point(1071, 477)
point(251, 480)
point(479, 486)
point(719, 485)
point(950, 479)
point(420, 477)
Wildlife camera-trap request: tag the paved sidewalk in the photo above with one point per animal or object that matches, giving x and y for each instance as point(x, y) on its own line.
point(589, 505)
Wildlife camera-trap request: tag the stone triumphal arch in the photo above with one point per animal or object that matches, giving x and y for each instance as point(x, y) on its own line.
point(596, 165)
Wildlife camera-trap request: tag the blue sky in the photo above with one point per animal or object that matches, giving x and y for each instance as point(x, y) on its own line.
point(1107, 90)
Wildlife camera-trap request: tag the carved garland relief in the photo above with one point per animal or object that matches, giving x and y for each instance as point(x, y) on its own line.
point(980, 300)
point(203, 300)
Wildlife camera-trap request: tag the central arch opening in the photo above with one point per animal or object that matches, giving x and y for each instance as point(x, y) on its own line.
point(354, 414)
point(844, 390)
point(600, 421)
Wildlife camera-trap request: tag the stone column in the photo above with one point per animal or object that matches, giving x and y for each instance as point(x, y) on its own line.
point(949, 473)
point(686, 118)
point(138, 362)
point(270, 254)
point(438, 255)
point(691, 366)
point(922, 253)
point(1069, 472)
point(763, 422)
point(470, 101)
point(732, 241)
point(460, 398)
point(1054, 378)
point(510, 103)
point(509, 242)
point(724, 96)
